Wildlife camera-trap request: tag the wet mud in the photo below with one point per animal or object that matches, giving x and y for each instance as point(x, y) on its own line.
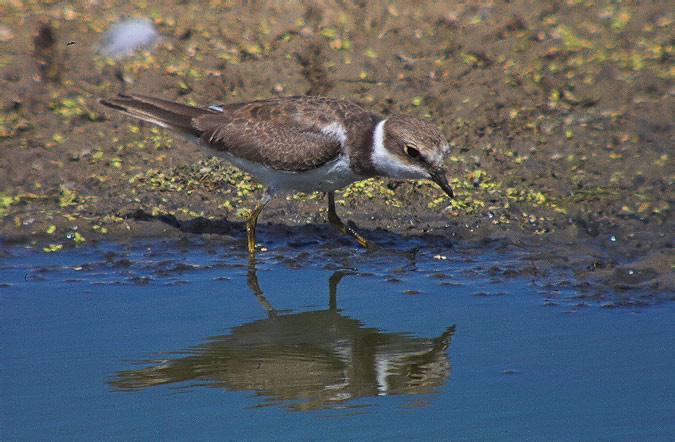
point(559, 116)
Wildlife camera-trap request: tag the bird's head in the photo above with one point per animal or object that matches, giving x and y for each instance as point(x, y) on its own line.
point(410, 147)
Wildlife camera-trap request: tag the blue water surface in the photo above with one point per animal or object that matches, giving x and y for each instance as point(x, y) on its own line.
point(158, 342)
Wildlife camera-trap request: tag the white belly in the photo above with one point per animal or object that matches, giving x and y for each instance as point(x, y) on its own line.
point(333, 175)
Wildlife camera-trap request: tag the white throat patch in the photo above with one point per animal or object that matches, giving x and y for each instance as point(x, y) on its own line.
point(389, 165)
point(378, 137)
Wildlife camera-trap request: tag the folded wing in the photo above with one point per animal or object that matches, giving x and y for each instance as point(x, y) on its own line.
point(278, 145)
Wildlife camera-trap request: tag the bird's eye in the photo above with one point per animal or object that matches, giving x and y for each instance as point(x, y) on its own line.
point(411, 151)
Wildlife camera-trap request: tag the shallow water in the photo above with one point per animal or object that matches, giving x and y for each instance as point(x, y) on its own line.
point(177, 340)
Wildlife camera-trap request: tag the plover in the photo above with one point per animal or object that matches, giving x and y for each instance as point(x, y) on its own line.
point(302, 143)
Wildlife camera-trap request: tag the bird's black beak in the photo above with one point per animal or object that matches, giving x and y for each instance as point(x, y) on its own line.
point(438, 177)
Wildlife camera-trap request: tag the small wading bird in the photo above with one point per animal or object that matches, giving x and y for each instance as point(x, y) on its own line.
point(302, 143)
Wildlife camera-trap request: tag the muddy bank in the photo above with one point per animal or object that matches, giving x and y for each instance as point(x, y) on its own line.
point(559, 116)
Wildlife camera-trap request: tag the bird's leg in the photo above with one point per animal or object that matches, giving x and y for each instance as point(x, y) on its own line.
point(335, 220)
point(252, 219)
point(252, 281)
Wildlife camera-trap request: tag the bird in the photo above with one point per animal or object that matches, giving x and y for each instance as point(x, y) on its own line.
point(302, 143)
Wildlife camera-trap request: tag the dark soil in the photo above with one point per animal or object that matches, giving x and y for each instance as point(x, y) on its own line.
point(560, 116)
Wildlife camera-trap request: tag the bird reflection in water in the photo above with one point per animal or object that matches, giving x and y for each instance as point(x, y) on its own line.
point(303, 361)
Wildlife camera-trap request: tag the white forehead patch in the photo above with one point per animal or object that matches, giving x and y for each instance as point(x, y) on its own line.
point(436, 156)
point(388, 164)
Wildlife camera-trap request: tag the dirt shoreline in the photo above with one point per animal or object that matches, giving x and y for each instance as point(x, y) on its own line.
point(559, 116)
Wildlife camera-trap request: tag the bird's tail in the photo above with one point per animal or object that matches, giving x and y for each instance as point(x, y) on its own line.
point(171, 115)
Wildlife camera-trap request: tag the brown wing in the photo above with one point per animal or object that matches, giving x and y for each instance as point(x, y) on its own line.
point(275, 146)
point(284, 134)
point(169, 114)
